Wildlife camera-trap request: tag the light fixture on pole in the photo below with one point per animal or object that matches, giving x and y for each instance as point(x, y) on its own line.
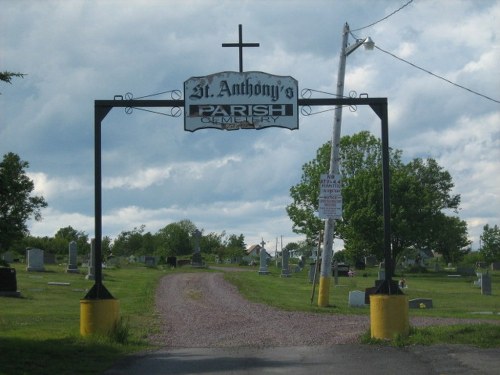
point(326, 269)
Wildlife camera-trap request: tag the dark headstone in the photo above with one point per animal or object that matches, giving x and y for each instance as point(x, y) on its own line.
point(495, 266)
point(485, 284)
point(172, 261)
point(466, 271)
point(197, 260)
point(8, 282)
point(150, 261)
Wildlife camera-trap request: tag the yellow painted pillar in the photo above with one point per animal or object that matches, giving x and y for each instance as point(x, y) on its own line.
point(389, 316)
point(324, 291)
point(98, 316)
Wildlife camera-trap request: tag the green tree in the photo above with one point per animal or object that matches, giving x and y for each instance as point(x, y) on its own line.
point(7, 76)
point(449, 238)
point(420, 192)
point(490, 243)
point(128, 242)
point(175, 239)
point(211, 243)
point(67, 234)
point(17, 205)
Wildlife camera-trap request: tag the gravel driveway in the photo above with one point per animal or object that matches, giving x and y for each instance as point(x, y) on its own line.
point(203, 310)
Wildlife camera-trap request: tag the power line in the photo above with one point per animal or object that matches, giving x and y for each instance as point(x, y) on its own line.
point(386, 17)
point(437, 76)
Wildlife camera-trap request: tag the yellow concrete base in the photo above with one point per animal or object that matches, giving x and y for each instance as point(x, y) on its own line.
point(98, 316)
point(388, 316)
point(324, 291)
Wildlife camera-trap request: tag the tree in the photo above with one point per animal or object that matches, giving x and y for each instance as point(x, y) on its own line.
point(211, 243)
point(175, 240)
point(68, 234)
point(490, 247)
point(450, 238)
point(420, 192)
point(7, 76)
point(128, 242)
point(17, 205)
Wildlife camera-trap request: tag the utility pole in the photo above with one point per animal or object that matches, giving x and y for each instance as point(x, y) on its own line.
point(326, 262)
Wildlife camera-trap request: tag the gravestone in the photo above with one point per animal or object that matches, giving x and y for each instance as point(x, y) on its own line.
point(196, 260)
point(485, 284)
point(35, 260)
point(150, 261)
point(263, 260)
point(72, 258)
point(356, 298)
point(381, 274)
point(420, 303)
point(91, 270)
point(312, 269)
point(8, 282)
point(284, 263)
point(466, 271)
point(172, 262)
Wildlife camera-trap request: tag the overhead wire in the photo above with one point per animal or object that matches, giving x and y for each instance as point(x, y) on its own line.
point(437, 76)
point(414, 65)
point(386, 17)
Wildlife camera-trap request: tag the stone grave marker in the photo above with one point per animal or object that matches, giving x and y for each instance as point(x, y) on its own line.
point(356, 298)
point(91, 270)
point(8, 282)
point(263, 260)
point(486, 284)
point(35, 260)
point(285, 272)
point(150, 261)
point(197, 260)
point(466, 271)
point(72, 258)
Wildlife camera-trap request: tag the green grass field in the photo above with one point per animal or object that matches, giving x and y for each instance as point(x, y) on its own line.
point(39, 332)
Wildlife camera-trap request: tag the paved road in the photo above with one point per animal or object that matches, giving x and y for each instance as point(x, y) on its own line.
point(339, 359)
point(188, 294)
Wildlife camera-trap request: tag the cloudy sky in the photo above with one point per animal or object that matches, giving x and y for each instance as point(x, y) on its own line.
point(155, 173)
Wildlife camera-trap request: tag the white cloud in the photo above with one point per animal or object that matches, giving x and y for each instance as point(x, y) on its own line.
point(153, 172)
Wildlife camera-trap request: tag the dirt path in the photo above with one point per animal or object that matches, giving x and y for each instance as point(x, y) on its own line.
point(203, 310)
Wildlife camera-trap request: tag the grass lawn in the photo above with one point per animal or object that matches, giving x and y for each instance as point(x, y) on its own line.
point(452, 296)
point(39, 332)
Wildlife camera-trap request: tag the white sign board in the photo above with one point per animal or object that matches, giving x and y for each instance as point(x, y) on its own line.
point(233, 100)
point(330, 197)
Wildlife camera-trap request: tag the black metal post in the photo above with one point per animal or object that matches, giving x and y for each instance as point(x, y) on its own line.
point(102, 108)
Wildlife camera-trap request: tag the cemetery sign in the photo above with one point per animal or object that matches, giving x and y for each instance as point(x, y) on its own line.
point(233, 100)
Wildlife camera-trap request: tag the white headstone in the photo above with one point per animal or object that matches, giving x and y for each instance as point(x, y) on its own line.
point(35, 260)
point(356, 298)
point(91, 274)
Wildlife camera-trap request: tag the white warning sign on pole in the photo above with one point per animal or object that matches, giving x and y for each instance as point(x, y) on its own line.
point(330, 196)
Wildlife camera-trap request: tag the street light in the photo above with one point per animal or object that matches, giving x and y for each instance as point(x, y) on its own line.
point(324, 281)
